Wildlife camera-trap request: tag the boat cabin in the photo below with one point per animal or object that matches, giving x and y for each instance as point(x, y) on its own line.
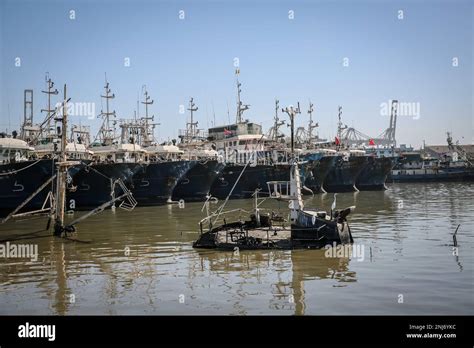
point(14, 150)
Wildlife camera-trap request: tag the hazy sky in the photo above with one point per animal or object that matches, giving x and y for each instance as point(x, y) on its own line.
point(292, 59)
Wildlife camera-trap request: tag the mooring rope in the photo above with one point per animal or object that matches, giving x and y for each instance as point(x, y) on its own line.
point(89, 166)
point(19, 170)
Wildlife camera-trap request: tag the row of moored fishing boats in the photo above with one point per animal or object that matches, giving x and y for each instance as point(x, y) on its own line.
point(198, 166)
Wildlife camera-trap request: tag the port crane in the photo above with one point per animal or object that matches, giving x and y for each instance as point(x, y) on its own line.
point(352, 137)
point(458, 148)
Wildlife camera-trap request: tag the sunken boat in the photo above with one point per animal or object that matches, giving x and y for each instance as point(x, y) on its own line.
point(305, 229)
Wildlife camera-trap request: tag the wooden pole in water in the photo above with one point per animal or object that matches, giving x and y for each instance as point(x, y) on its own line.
point(62, 173)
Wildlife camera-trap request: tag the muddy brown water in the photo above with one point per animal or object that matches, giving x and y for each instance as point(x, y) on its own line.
point(142, 262)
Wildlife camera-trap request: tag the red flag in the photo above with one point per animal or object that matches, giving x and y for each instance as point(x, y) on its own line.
point(227, 132)
point(371, 142)
point(338, 142)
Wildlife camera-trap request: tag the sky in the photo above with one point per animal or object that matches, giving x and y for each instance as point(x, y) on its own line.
point(356, 54)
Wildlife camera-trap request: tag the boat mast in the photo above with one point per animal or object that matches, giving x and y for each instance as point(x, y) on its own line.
point(148, 135)
point(49, 111)
point(340, 127)
point(107, 134)
point(277, 123)
point(191, 126)
point(240, 107)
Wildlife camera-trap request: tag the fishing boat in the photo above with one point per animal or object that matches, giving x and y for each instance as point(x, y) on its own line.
point(379, 152)
point(114, 162)
point(244, 145)
point(343, 175)
point(195, 185)
point(29, 161)
point(415, 167)
point(21, 174)
point(374, 175)
point(154, 183)
point(453, 164)
point(323, 160)
point(156, 178)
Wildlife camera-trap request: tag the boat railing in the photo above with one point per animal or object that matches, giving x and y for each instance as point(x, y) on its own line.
point(268, 230)
point(280, 190)
point(209, 217)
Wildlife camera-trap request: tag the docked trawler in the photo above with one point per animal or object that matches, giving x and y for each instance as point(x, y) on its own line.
point(243, 144)
point(30, 160)
point(305, 229)
point(380, 151)
point(21, 175)
point(374, 175)
point(316, 151)
point(343, 175)
point(195, 185)
point(419, 166)
point(112, 168)
point(156, 178)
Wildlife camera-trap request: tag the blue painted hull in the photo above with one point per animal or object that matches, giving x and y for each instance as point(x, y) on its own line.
point(94, 184)
point(19, 180)
point(155, 182)
point(196, 184)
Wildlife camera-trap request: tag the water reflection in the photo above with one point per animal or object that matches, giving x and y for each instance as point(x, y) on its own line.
point(140, 262)
point(287, 292)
